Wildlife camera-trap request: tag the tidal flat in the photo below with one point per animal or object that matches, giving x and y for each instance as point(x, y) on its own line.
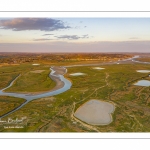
point(95, 112)
point(113, 84)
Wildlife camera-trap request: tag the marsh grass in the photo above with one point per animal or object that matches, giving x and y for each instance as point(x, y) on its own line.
point(53, 114)
point(9, 103)
point(31, 82)
point(5, 79)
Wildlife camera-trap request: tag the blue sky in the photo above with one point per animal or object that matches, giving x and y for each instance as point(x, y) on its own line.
point(75, 34)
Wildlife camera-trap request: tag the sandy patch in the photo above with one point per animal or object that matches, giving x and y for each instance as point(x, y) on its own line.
point(37, 71)
point(98, 68)
point(35, 64)
point(143, 71)
point(95, 112)
point(59, 70)
point(77, 74)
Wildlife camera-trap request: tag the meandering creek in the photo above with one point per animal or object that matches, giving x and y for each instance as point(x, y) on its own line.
point(62, 84)
point(28, 97)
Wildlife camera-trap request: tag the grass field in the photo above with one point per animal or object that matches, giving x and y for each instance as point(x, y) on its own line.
point(112, 84)
point(33, 82)
point(9, 103)
point(29, 81)
point(6, 78)
point(144, 59)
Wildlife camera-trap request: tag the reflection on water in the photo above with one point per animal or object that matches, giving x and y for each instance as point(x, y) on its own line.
point(28, 98)
point(95, 112)
point(143, 83)
point(77, 74)
point(143, 71)
point(99, 68)
point(67, 85)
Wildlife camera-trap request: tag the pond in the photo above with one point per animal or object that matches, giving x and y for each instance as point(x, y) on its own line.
point(99, 68)
point(95, 112)
point(77, 74)
point(143, 71)
point(143, 83)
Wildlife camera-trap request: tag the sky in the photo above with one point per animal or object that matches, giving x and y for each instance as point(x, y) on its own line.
point(74, 35)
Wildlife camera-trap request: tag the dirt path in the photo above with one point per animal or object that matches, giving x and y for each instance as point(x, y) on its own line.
point(73, 118)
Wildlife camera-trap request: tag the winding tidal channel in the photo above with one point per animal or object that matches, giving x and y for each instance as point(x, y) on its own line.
point(56, 75)
point(62, 84)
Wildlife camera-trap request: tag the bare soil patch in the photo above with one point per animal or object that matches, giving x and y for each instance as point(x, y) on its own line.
point(37, 71)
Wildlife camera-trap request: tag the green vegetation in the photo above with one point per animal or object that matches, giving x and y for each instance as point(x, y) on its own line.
point(33, 82)
point(145, 59)
point(113, 84)
point(5, 79)
point(9, 103)
point(28, 81)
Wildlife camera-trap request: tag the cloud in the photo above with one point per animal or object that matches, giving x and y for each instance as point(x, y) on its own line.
point(77, 27)
point(42, 39)
point(72, 37)
point(47, 34)
point(85, 36)
point(43, 24)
